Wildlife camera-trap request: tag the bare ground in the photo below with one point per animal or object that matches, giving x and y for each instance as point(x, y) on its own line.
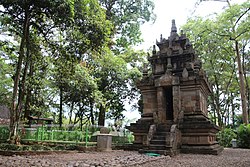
point(228, 158)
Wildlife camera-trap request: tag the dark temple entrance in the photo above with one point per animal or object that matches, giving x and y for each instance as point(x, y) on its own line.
point(169, 103)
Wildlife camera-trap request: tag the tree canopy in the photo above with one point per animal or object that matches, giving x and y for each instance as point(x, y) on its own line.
point(222, 44)
point(70, 58)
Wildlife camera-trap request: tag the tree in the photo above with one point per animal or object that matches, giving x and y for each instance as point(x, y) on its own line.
point(114, 82)
point(236, 19)
point(77, 45)
point(127, 16)
point(20, 15)
point(216, 42)
point(36, 95)
point(70, 56)
point(6, 71)
point(23, 17)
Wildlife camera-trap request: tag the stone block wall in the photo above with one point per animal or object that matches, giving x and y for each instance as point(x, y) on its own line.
point(149, 101)
point(193, 100)
point(198, 138)
point(189, 101)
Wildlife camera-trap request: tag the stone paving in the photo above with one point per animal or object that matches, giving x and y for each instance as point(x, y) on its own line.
point(117, 158)
point(90, 159)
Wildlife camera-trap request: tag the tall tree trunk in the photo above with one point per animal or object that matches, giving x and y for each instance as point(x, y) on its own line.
point(233, 112)
point(60, 107)
point(22, 89)
point(70, 112)
point(215, 118)
point(101, 117)
point(29, 90)
point(245, 67)
point(14, 112)
point(81, 124)
point(242, 85)
point(216, 106)
point(92, 119)
point(75, 119)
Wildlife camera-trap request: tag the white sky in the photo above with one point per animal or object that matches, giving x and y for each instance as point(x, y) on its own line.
point(180, 10)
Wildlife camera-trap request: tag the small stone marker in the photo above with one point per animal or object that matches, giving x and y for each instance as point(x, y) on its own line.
point(104, 140)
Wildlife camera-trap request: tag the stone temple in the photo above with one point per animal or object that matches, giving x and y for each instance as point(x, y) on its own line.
point(174, 90)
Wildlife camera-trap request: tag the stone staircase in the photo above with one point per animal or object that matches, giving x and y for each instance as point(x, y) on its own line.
point(161, 141)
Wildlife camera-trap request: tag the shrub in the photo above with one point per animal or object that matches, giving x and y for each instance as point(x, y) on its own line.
point(71, 147)
point(59, 147)
point(38, 147)
point(243, 139)
point(130, 138)
point(4, 133)
point(7, 147)
point(225, 137)
point(14, 147)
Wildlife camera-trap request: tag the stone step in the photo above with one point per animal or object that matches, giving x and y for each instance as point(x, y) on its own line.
point(209, 149)
point(155, 141)
point(157, 137)
point(163, 128)
point(160, 141)
point(167, 122)
point(158, 147)
point(160, 133)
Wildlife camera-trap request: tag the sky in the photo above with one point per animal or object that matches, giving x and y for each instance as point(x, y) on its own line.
point(180, 10)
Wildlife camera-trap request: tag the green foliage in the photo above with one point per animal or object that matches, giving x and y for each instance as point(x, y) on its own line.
point(66, 147)
point(55, 134)
point(7, 55)
point(214, 41)
point(124, 138)
point(37, 147)
point(127, 16)
point(116, 78)
point(71, 58)
point(4, 132)
point(12, 147)
point(243, 139)
point(131, 138)
point(225, 137)
point(242, 134)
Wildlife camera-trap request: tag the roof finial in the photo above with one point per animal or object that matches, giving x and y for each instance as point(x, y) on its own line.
point(154, 50)
point(173, 28)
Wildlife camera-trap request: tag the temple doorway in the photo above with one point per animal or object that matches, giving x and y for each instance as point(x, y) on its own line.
point(169, 103)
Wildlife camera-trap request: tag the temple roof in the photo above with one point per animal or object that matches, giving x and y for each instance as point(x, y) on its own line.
point(174, 44)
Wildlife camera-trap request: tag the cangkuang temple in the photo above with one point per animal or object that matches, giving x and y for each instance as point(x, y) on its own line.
point(175, 90)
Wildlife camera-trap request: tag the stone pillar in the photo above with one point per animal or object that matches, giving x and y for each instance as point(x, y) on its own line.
point(161, 102)
point(141, 127)
point(176, 98)
point(176, 102)
point(149, 101)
